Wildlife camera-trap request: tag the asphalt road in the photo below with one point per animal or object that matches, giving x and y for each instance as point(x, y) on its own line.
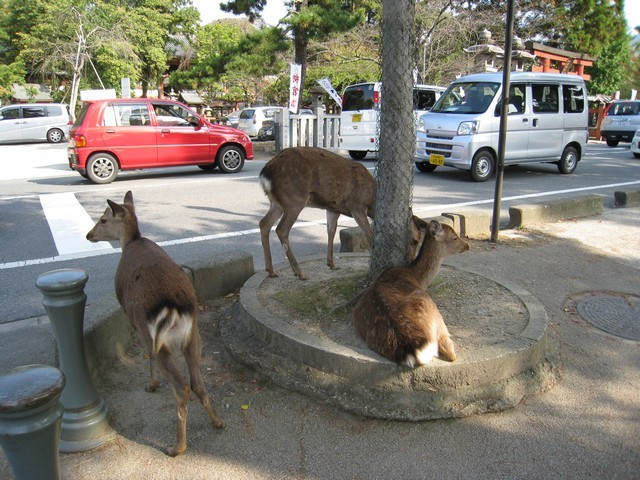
point(187, 210)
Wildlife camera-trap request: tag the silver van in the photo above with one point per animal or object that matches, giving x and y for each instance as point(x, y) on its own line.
point(360, 110)
point(35, 121)
point(547, 122)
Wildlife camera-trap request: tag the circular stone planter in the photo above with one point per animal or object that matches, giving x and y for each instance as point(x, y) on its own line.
point(499, 331)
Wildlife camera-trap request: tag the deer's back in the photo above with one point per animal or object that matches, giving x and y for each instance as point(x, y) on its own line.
point(318, 177)
point(148, 280)
point(391, 314)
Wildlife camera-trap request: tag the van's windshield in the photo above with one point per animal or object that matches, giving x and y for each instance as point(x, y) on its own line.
point(466, 97)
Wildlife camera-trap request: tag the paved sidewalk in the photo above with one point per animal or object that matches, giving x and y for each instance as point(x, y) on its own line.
point(587, 426)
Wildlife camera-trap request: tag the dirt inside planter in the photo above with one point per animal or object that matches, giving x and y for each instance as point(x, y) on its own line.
point(479, 313)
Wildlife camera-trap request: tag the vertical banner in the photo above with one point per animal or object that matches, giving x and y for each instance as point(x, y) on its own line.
point(295, 87)
point(326, 84)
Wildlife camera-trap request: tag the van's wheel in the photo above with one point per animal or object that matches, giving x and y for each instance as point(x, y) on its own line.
point(636, 155)
point(612, 143)
point(357, 154)
point(55, 135)
point(569, 160)
point(482, 165)
point(230, 159)
point(425, 167)
point(102, 168)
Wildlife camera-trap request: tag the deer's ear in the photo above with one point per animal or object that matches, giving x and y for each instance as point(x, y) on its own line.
point(115, 208)
point(128, 198)
point(419, 223)
point(435, 229)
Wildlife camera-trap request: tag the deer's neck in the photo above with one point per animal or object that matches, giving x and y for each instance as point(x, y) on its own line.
point(130, 233)
point(427, 263)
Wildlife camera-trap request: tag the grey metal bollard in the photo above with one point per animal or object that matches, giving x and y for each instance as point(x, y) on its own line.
point(30, 417)
point(85, 422)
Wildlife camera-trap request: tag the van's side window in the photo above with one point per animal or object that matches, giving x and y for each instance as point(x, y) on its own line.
point(517, 100)
point(545, 98)
point(11, 113)
point(33, 112)
point(573, 98)
point(54, 111)
point(423, 100)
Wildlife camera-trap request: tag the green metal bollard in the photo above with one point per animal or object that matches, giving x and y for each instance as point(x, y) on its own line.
point(85, 422)
point(30, 417)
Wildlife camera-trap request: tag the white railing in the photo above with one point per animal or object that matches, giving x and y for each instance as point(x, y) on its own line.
point(318, 130)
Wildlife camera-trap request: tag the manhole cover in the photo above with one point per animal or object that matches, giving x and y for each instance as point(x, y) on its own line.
point(619, 316)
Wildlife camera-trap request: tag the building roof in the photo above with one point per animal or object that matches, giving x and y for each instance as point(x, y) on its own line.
point(20, 94)
point(191, 97)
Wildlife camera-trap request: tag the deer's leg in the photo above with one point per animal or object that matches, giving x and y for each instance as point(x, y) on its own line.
point(154, 383)
point(332, 226)
point(282, 230)
point(192, 354)
point(362, 220)
point(180, 389)
point(266, 224)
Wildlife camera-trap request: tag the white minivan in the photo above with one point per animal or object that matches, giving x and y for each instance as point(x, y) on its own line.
point(547, 122)
point(35, 121)
point(360, 109)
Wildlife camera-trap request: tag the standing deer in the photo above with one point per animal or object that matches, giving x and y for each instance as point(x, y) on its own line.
point(160, 302)
point(396, 316)
point(302, 177)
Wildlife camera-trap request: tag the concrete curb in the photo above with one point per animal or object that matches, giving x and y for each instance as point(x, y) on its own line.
point(477, 224)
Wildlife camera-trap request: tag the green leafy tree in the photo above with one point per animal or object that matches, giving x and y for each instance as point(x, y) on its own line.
point(308, 20)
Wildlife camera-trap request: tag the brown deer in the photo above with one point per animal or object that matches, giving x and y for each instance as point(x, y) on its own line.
point(160, 302)
point(302, 177)
point(396, 316)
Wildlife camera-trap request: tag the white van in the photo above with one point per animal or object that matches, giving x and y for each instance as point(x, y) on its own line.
point(35, 121)
point(360, 109)
point(547, 122)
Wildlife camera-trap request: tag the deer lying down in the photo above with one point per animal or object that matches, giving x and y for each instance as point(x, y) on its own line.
point(396, 316)
point(160, 301)
point(302, 177)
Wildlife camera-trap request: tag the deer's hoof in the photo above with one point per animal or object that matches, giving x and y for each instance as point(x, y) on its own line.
point(272, 274)
point(219, 424)
point(177, 450)
point(152, 387)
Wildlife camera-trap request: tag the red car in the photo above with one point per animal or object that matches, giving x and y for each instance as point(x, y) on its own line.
point(133, 133)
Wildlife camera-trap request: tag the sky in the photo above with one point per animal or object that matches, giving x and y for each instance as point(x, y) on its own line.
point(275, 10)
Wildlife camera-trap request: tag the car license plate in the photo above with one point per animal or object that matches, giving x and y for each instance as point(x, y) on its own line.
point(435, 159)
point(356, 117)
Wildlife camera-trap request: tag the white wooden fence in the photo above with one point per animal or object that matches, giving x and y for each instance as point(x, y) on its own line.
point(318, 130)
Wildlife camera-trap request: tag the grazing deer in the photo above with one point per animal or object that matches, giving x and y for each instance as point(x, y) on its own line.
point(160, 302)
point(396, 316)
point(302, 177)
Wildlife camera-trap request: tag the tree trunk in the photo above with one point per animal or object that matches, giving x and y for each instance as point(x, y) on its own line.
point(397, 139)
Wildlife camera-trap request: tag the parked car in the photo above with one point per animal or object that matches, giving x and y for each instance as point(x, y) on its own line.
point(132, 133)
point(251, 118)
point(621, 122)
point(233, 119)
point(35, 121)
point(359, 120)
point(267, 132)
point(635, 144)
point(547, 121)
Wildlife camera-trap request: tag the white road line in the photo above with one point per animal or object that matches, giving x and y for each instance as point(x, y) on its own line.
point(106, 248)
point(69, 223)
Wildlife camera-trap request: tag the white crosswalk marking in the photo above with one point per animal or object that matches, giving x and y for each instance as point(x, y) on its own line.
point(69, 224)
